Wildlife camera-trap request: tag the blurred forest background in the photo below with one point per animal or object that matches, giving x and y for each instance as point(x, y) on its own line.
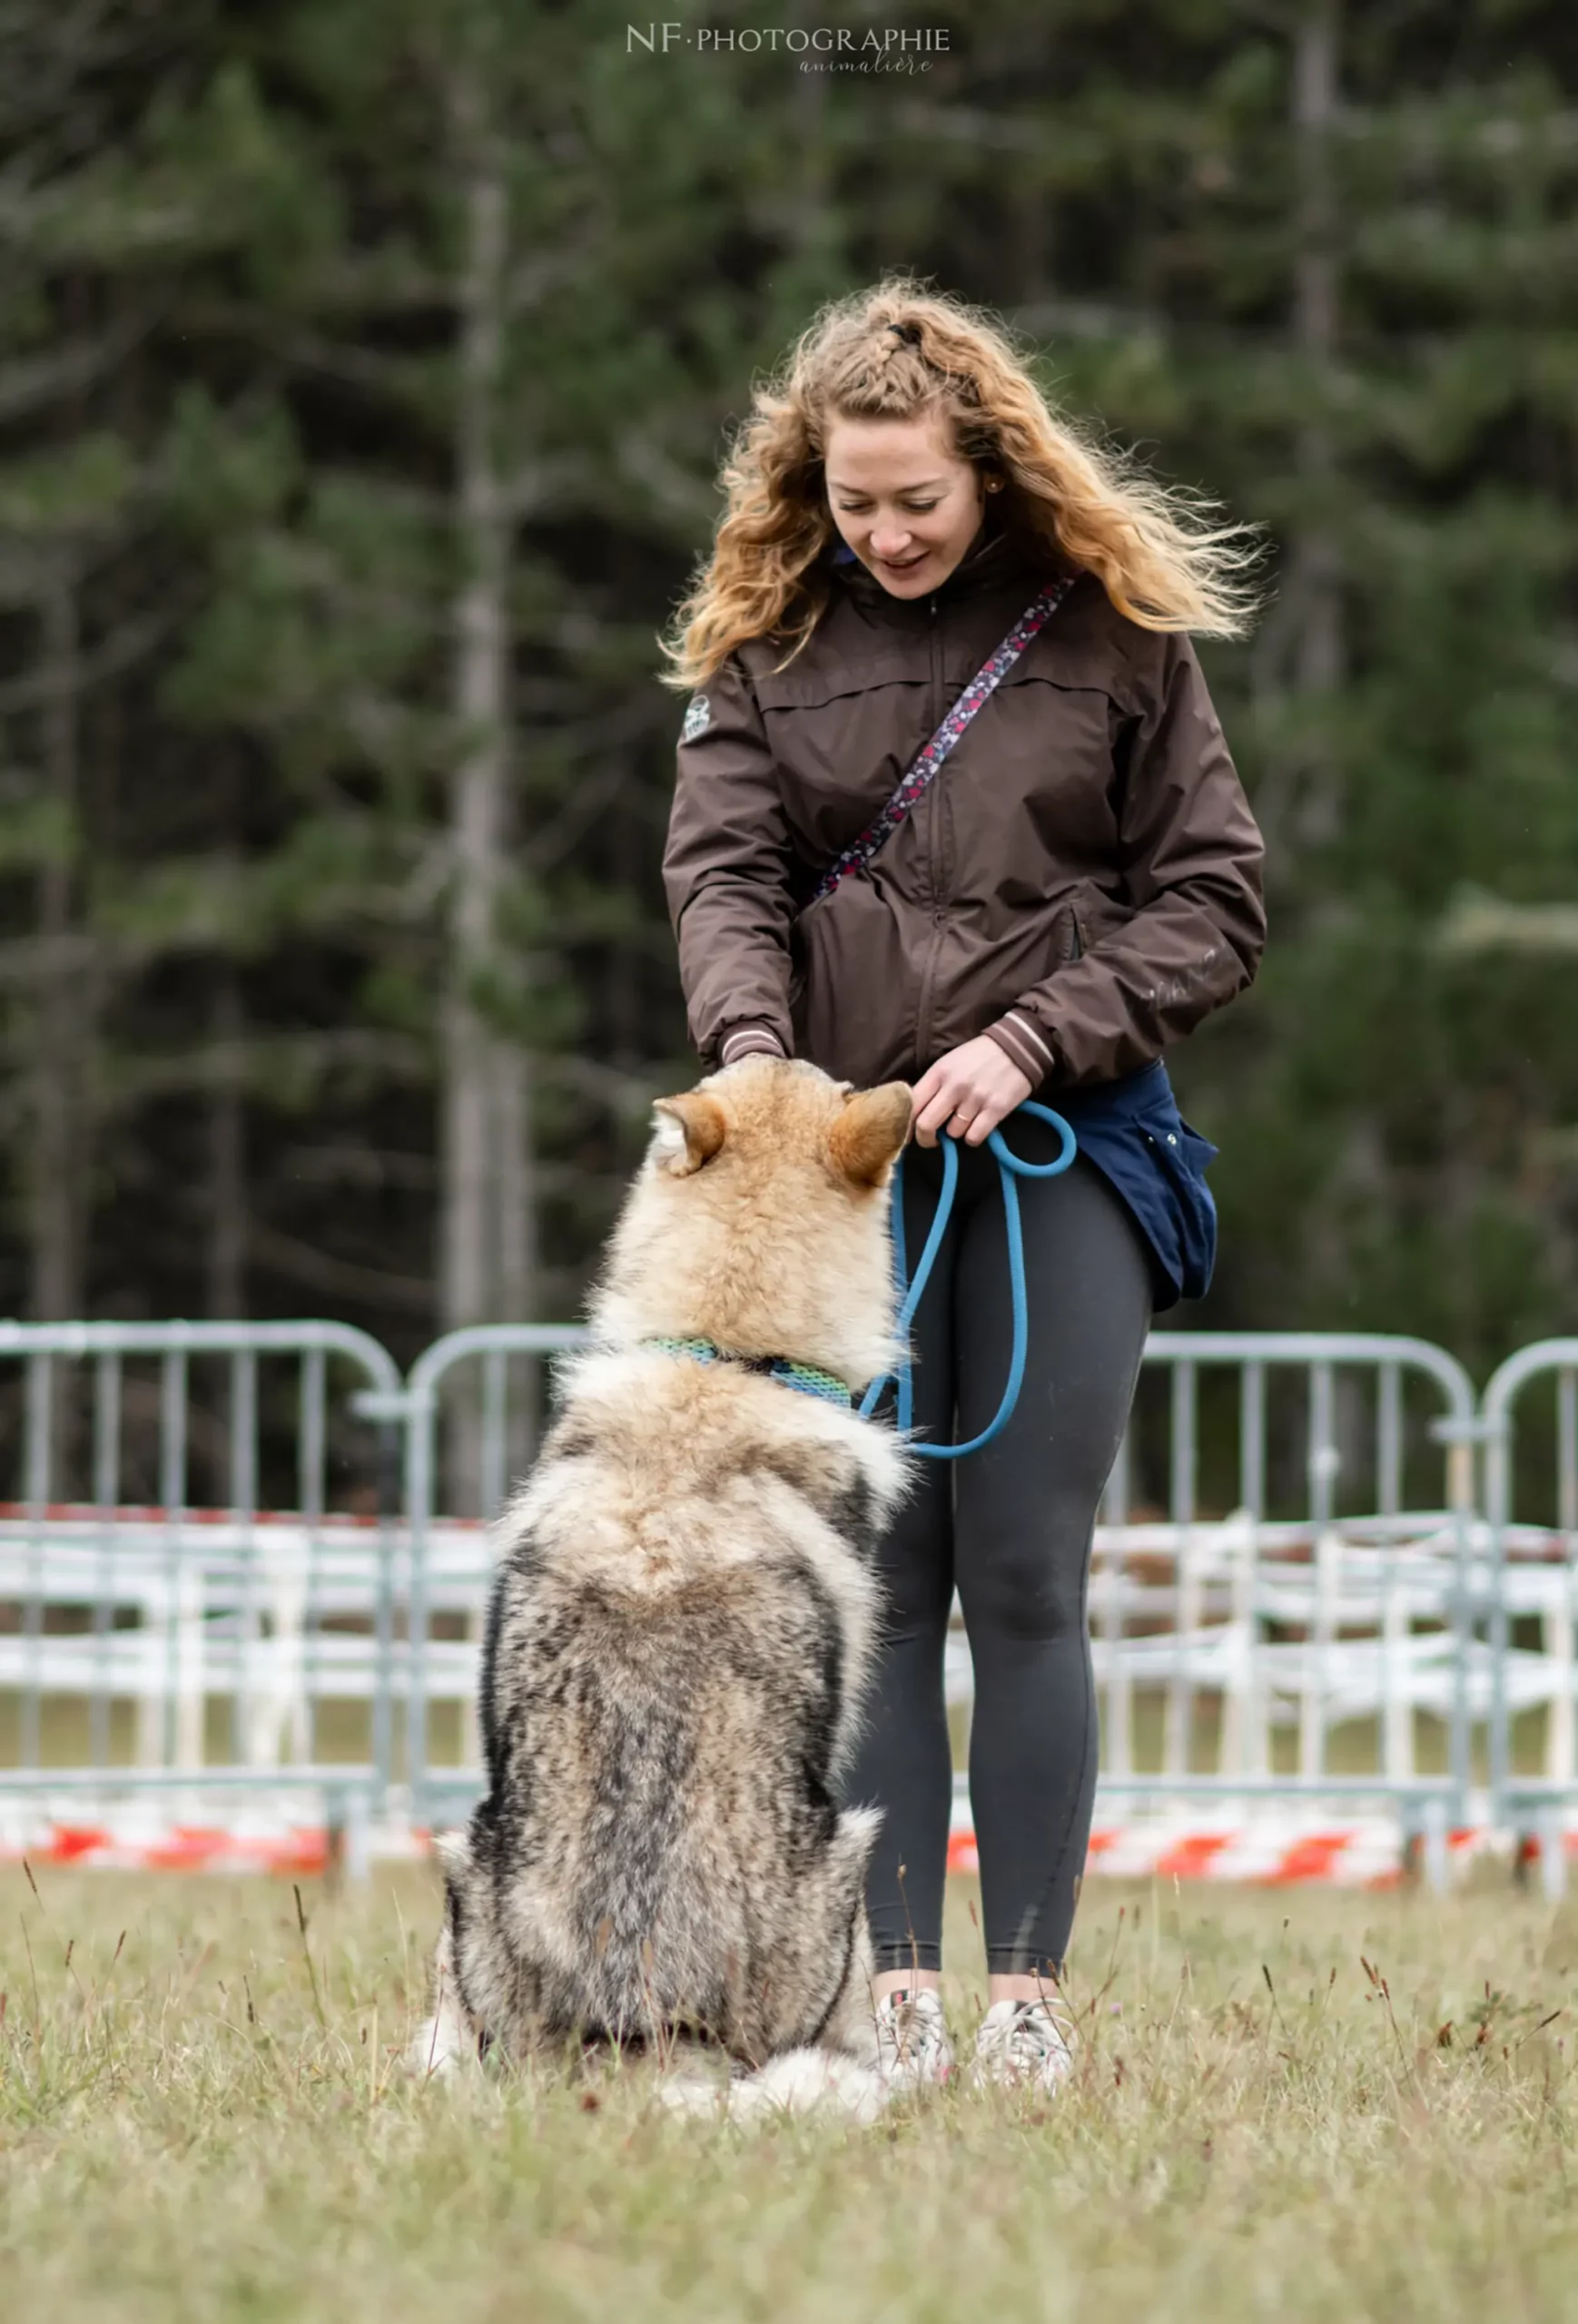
point(363, 370)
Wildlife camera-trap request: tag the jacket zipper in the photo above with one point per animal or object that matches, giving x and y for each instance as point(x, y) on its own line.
point(934, 941)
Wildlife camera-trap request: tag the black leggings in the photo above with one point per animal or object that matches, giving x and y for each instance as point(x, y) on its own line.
point(1011, 1527)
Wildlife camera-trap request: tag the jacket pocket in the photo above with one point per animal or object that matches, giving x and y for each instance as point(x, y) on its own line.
point(1184, 1157)
point(851, 985)
point(1097, 915)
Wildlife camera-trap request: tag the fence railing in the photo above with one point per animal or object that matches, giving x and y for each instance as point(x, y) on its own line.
point(1532, 1603)
point(1324, 1601)
point(162, 1625)
point(251, 1559)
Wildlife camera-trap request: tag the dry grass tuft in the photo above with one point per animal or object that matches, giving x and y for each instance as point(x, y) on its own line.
point(1303, 2105)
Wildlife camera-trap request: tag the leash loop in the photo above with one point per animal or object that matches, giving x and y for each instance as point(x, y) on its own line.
point(1010, 1167)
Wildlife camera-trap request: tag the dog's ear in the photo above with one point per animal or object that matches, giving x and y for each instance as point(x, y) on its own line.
point(690, 1130)
point(870, 1133)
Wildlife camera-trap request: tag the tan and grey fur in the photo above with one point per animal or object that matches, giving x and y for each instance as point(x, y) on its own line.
point(683, 1620)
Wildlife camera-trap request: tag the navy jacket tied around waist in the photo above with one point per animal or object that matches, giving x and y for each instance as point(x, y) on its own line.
point(1132, 1132)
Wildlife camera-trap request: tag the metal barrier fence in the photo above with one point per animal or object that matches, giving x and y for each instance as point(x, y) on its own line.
point(167, 1629)
point(1324, 1608)
point(1229, 1625)
point(235, 1565)
point(1533, 1597)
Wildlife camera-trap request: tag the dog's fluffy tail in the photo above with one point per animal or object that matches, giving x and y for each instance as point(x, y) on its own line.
point(800, 2081)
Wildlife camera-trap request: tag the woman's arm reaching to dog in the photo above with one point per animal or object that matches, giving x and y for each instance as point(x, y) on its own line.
point(728, 868)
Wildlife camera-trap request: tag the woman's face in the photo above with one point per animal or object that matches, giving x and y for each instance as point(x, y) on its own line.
point(903, 498)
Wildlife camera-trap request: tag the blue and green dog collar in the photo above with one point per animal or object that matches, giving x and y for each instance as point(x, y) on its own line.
point(810, 1381)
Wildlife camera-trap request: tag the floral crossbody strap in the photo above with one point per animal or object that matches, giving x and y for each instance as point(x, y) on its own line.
point(925, 767)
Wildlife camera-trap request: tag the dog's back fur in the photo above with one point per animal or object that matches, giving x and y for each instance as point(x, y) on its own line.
point(682, 1616)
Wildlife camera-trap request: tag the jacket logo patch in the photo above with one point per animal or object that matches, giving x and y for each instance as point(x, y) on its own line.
point(698, 718)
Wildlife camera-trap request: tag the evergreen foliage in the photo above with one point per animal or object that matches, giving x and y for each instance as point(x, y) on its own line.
point(286, 405)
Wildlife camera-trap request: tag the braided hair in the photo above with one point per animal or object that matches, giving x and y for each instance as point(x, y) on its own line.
point(885, 349)
point(904, 351)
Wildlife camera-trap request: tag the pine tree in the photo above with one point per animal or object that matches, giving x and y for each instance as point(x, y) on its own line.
point(363, 372)
point(79, 477)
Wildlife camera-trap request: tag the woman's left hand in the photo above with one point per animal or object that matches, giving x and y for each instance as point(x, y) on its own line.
point(969, 1092)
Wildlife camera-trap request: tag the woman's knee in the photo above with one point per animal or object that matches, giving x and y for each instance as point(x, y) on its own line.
point(1028, 1580)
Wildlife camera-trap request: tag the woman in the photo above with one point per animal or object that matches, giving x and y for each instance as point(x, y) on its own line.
point(1076, 887)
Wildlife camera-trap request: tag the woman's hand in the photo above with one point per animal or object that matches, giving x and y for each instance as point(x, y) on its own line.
point(969, 1092)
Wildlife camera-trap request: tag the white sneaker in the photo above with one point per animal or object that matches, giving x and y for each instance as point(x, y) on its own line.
point(914, 2051)
point(1029, 2043)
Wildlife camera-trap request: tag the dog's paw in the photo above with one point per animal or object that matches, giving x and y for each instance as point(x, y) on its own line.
point(691, 2095)
point(813, 2081)
point(442, 2050)
point(801, 2082)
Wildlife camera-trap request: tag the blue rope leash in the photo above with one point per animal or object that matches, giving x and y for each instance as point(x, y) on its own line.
point(1009, 1168)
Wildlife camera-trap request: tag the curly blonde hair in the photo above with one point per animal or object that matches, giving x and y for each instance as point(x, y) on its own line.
point(1161, 560)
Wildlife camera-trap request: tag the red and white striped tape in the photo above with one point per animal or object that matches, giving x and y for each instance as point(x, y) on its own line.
point(136, 1840)
point(1261, 1852)
point(1265, 1851)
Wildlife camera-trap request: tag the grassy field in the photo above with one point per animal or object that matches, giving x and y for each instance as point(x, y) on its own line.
point(201, 2116)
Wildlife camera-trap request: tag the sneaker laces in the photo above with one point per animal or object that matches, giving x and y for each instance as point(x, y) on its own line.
point(1026, 2041)
point(912, 2043)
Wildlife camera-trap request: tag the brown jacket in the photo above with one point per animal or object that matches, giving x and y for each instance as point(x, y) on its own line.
point(1082, 882)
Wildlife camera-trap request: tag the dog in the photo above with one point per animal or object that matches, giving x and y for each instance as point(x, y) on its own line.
point(682, 1622)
